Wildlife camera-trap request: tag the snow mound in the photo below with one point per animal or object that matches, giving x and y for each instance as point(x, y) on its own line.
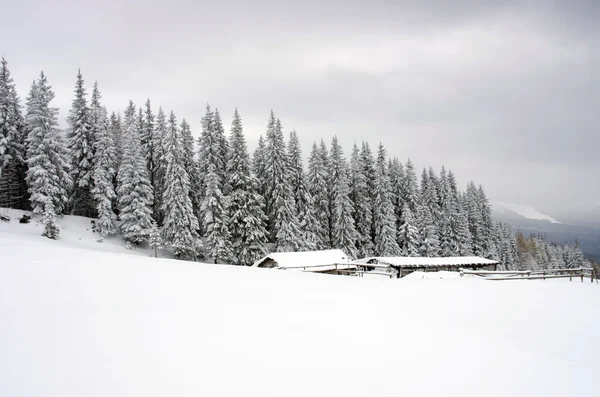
point(526, 211)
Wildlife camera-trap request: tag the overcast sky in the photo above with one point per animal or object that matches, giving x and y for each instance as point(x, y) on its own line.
point(506, 93)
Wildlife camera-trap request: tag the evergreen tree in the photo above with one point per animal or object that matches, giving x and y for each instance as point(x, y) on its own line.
point(13, 168)
point(155, 240)
point(180, 222)
point(317, 187)
point(488, 240)
point(369, 171)
point(281, 206)
point(51, 229)
point(429, 245)
point(214, 219)
point(259, 168)
point(223, 149)
point(116, 133)
point(383, 219)
point(464, 244)
point(148, 139)
point(7, 128)
point(134, 191)
point(47, 158)
point(408, 234)
point(191, 166)
point(361, 201)
point(310, 227)
point(447, 214)
point(344, 232)
point(103, 192)
point(80, 143)
point(397, 180)
point(296, 171)
point(210, 150)
point(159, 163)
point(410, 188)
point(246, 216)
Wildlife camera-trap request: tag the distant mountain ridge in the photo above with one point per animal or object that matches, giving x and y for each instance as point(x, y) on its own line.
point(557, 230)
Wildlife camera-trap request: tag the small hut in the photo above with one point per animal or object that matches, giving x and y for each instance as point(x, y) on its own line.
point(327, 261)
point(401, 266)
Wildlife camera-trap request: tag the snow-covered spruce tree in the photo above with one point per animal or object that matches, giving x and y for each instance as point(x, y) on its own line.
point(155, 240)
point(429, 213)
point(116, 133)
point(103, 192)
point(310, 227)
point(461, 238)
point(429, 244)
point(134, 192)
point(383, 217)
point(396, 175)
point(246, 216)
point(191, 166)
point(409, 237)
point(408, 234)
point(448, 212)
point(368, 161)
point(51, 229)
point(159, 163)
point(317, 187)
point(13, 168)
point(80, 144)
point(307, 216)
point(296, 170)
point(361, 201)
point(223, 146)
point(47, 158)
point(258, 167)
point(147, 138)
point(464, 244)
point(96, 115)
point(180, 222)
point(281, 206)
point(344, 232)
point(210, 150)
point(489, 245)
point(214, 219)
point(410, 188)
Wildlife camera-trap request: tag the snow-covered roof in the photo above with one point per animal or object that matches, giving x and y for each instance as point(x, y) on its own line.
point(297, 260)
point(405, 261)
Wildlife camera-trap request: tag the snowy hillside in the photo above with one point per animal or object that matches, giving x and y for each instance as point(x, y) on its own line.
point(525, 211)
point(77, 322)
point(75, 231)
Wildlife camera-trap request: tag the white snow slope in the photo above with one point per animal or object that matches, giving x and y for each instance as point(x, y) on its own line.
point(525, 211)
point(77, 322)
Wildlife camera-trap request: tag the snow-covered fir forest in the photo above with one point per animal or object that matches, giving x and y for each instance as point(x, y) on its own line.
point(141, 174)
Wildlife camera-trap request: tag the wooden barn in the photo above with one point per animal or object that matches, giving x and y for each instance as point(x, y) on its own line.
point(401, 266)
point(327, 261)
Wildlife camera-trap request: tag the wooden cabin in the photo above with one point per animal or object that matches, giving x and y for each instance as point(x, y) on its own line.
point(400, 266)
point(327, 261)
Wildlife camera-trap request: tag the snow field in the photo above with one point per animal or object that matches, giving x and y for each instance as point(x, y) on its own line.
point(98, 323)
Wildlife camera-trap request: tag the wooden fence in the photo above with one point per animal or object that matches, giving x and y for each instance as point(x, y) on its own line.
point(580, 272)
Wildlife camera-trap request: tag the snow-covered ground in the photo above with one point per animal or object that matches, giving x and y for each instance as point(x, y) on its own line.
point(78, 320)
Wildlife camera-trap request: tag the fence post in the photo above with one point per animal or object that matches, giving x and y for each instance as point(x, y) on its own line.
point(570, 275)
point(581, 270)
point(544, 275)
